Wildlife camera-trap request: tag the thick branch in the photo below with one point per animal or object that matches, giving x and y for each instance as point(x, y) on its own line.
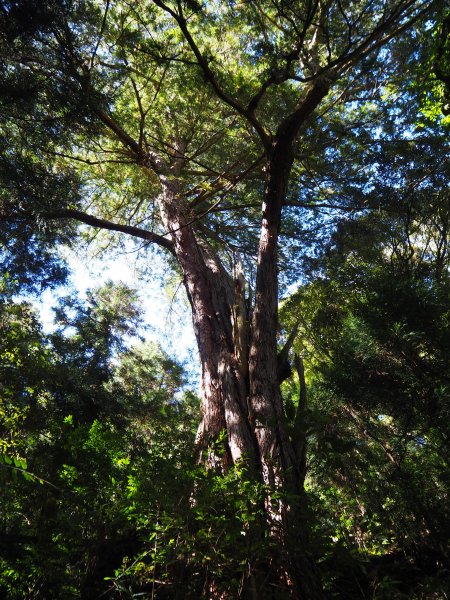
point(123, 136)
point(284, 366)
point(290, 126)
point(78, 215)
point(299, 433)
point(381, 35)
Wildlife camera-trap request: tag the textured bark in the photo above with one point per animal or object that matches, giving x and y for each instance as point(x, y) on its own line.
point(279, 466)
point(240, 378)
point(266, 404)
point(211, 293)
point(299, 435)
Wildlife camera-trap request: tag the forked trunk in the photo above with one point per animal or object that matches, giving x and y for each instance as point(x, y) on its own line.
point(240, 387)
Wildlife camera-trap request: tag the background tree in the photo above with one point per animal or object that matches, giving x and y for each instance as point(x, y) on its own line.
point(373, 334)
point(85, 424)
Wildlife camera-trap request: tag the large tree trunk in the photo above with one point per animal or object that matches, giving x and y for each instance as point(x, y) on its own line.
point(240, 387)
point(281, 468)
point(212, 294)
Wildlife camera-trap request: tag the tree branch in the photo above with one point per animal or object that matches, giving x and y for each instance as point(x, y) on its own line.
point(123, 136)
point(78, 215)
point(210, 75)
point(289, 127)
point(381, 35)
point(283, 355)
point(325, 205)
point(299, 433)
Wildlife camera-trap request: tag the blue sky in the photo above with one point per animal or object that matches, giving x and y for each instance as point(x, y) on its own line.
point(167, 316)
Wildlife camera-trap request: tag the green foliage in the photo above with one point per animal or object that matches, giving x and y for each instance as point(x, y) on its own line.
point(121, 509)
point(442, 60)
point(214, 539)
point(90, 94)
point(374, 334)
point(61, 538)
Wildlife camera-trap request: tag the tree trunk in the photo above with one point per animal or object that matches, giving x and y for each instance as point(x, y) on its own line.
point(212, 296)
point(281, 471)
point(240, 387)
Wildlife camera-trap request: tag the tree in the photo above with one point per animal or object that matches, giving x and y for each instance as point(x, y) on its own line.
point(442, 59)
point(200, 114)
point(373, 332)
point(82, 423)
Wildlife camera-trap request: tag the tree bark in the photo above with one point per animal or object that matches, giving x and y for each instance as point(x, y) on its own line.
point(280, 469)
point(240, 382)
point(240, 388)
point(212, 295)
